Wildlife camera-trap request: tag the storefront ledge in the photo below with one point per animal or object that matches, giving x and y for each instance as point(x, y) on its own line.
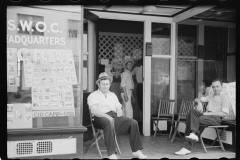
point(46, 131)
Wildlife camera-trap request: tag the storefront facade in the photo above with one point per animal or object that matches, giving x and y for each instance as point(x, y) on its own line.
point(52, 62)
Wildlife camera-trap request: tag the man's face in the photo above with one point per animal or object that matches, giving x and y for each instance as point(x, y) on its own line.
point(104, 85)
point(217, 87)
point(129, 66)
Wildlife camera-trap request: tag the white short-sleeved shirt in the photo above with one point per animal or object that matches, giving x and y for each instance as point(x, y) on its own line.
point(126, 80)
point(103, 104)
point(217, 103)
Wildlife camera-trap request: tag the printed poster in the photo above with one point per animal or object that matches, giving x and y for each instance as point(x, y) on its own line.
point(43, 66)
point(52, 97)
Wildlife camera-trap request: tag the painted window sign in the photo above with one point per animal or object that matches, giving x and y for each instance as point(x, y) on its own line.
point(36, 26)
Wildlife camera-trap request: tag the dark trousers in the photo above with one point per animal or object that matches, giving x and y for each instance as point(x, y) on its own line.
point(140, 95)
point(123, 125)
point(194, 120)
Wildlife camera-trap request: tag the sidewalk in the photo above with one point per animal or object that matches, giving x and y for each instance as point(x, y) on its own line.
point(158, 147)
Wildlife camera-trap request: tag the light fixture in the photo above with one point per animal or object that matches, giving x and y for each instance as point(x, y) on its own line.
point(218, 13)
point(199, 20)
point(149, 8)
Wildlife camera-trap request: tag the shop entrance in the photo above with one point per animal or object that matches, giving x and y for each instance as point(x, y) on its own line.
point(118, 41)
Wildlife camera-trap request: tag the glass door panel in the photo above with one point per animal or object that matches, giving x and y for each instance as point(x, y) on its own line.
point(160, 79)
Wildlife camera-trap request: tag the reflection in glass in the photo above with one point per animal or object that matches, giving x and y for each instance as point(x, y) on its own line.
point(160, 78)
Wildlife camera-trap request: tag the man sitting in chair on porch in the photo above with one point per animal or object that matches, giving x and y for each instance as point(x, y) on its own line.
point(107, 113)
point(219, 106)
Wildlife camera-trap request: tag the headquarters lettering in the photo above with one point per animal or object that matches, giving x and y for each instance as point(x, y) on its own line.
point(31, 39)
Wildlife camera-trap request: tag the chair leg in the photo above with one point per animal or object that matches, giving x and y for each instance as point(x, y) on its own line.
point(172, 129)
point(219, 139)
point(156, 128)
point(99, 151)
point(203, 144)
point(201, 140)
point(117, 146)
point(175, 132)
point(95, 140)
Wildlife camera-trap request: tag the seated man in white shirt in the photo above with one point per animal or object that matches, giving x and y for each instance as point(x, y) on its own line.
point(217, 108)
point(107, 113)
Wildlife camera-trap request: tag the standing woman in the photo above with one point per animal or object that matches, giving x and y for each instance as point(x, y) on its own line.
point(138, 72)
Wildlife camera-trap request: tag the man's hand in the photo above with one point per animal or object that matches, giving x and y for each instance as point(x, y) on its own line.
point(197, 100)
point(200, 108)
point(119, 112)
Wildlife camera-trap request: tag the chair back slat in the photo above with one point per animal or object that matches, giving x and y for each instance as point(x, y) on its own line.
point(186, 106)
point(166, 107)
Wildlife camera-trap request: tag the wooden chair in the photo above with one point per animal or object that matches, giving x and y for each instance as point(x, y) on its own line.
point(225, 123)
point(220, 128)
point(166, 113)
point(97, 135)
point(185, 107)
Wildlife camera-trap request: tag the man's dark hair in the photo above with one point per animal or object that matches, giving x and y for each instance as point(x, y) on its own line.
point(218, 80)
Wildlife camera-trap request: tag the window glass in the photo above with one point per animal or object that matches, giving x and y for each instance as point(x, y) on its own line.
point(161, 38)
point(43, 67)
point(160, 79)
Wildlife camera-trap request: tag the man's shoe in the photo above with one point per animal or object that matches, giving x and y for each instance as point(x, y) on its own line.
point(192, 137)
point(183, 152)
point(113, 156)
point(139, 155)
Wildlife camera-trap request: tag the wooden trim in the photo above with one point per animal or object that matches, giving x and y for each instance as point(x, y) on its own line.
point(46, 131)
point(140, 14)
point(184, 10)
point(120, 34)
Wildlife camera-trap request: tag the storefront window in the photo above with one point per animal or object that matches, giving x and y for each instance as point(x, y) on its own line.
point(43, 67)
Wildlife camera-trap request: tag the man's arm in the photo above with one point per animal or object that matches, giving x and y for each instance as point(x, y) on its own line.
point(124, 85)
point(118, 107)
point(220, 114)
point(96, 112)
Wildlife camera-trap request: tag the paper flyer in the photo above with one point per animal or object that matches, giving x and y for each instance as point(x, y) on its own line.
point(19, 115)
point(12, 84)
